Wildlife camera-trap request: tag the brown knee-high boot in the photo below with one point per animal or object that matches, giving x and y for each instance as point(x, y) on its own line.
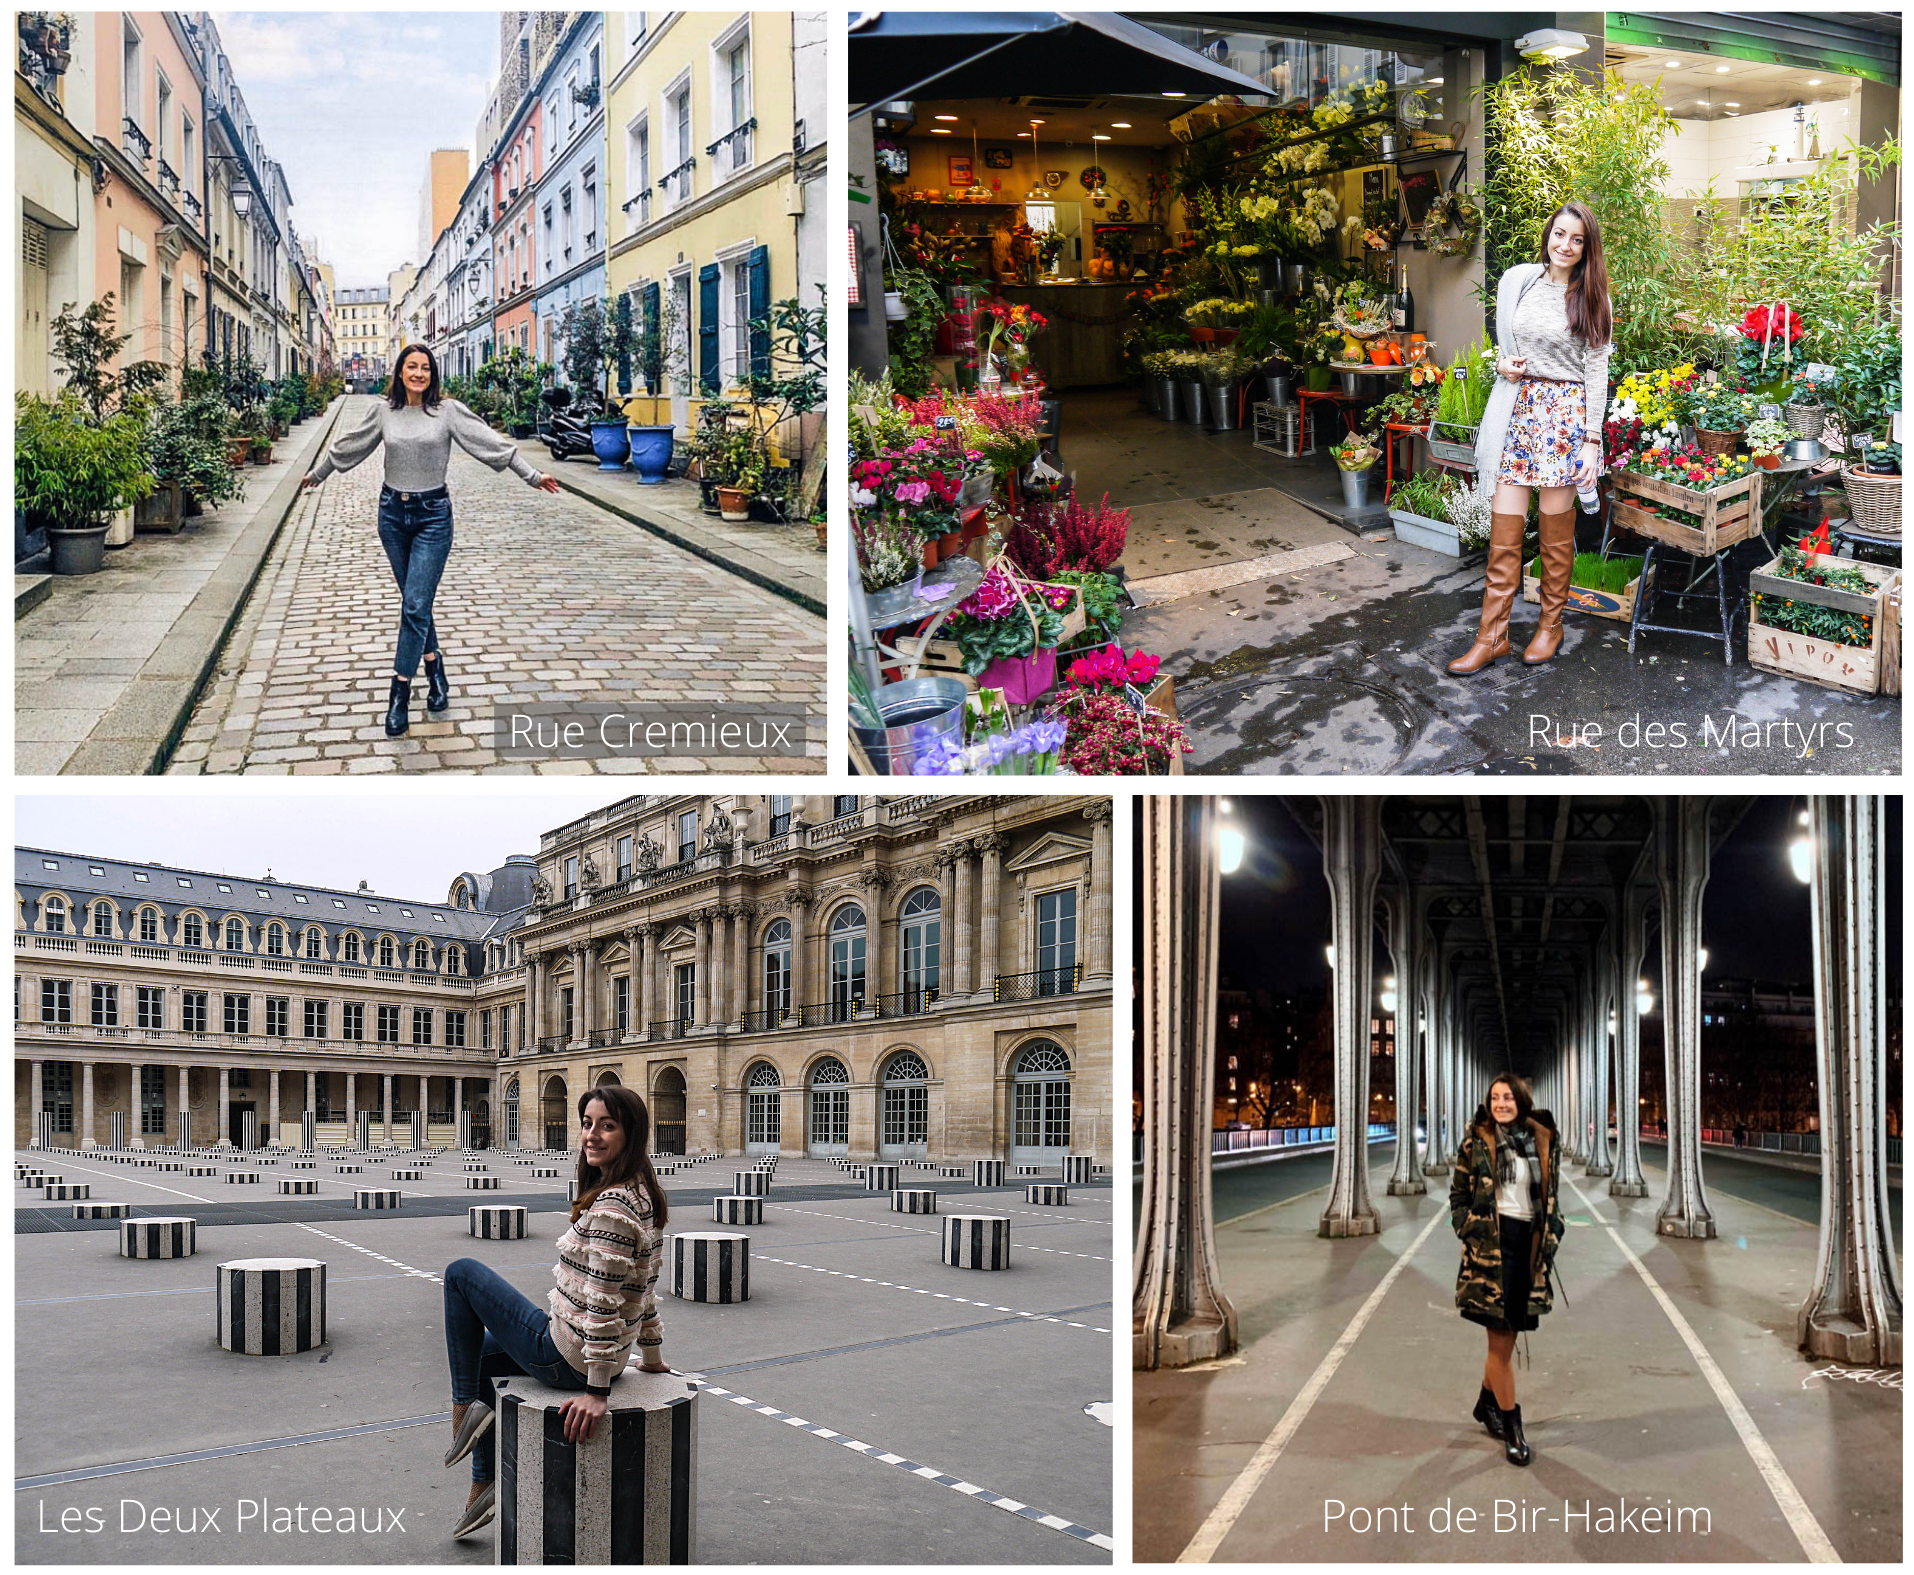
point(1558, 564)
point(1498, 595)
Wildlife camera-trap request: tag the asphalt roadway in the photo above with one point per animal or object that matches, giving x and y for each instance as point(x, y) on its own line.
point(1667, 1379)
point(997, 1383)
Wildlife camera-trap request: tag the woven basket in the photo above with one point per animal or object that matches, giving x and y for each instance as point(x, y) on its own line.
point(1874, 502)
point(1806, 420)
point(1715, 444)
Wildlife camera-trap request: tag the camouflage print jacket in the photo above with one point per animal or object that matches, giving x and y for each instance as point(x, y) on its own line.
point(1478, 1285)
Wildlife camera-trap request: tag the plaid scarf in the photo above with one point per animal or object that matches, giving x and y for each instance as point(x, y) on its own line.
point(1510, 1141)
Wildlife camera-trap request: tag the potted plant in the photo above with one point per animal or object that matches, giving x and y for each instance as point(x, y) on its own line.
point(71, 475)
point(1009, 631)
point(889, 553)
point(1817, 617)
point(734, 464)
point(1866, 395)
point(1220, 370)
point(188, 456)
point(1721, 411)
point(658, 347)
point(1461, 398)
point(1766, 439)
point(1807, 411)
point(1355, 455)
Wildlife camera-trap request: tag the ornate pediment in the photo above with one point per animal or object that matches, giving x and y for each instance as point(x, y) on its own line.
point(1053, 847)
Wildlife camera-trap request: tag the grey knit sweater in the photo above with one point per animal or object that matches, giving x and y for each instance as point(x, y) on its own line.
point(1542, 334)
point(418, 445)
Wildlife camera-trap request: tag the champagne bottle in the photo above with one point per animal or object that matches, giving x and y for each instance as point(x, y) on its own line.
point(1403, 310)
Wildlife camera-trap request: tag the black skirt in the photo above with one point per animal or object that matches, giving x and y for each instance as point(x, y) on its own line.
point(1518, 1237)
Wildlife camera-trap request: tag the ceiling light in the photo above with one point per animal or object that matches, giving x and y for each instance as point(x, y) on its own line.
point(1176, 95)
point(1023, 134)
point(944, 117)
point(1671, 64)
point(940, 131)
point(1121, 125)
point(1097, 136)
point(1721, 71)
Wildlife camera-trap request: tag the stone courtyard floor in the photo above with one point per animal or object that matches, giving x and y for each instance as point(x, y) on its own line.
point(854, 1326)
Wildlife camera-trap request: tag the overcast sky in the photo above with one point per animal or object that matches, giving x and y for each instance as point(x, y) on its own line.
point(351, 103)
point(404, 844)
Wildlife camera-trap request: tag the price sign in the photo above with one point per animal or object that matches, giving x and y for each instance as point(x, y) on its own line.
point(1134, 697)
point(946, 423)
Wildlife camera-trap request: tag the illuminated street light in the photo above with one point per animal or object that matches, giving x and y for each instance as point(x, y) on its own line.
point(1330, 952)
point(1230, 841)
point(1644, 998)
point(1701, 960)
point(1389, 994)
point(1801, 856)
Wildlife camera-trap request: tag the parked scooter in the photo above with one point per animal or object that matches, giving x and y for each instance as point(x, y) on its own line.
point(567, 429)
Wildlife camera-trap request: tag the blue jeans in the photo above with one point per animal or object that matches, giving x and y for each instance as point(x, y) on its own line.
point(492, 1331)
point(416, 533)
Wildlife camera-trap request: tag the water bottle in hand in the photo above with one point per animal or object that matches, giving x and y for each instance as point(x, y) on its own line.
point(1590, 496)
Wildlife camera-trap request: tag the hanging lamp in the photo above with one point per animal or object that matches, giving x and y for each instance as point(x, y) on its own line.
point(1037, 192)
point(976, 191)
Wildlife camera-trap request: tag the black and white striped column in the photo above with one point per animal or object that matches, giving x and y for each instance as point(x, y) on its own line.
point(185, 1129)
point(249, 1130)
point(626, 1495)
point(168, 1236)
point(43, 1129)
point(1046, 1192)
point(711, 1266)
point(306, 1134)
point(297, 1186)
point(117, 1141)
point(465, 1129)
point(482, 1183)
point(753, 1183)
point(418, 1130)
point(406, 1175)
point(67, 1191)
point(365, 1129)
point(545, 1172)
point(977, 1241)
point(1076, 1168)
point(952, 1172)
point(912, 1200)
point(202, 1170)
point(272, 1306)
point(880, 1178)
point(348, 1170)
point(305, 1164)
point(987, 1172)
point(737, 1211)
point(497, 1221)
point(374, 1198)
point(100, 1211)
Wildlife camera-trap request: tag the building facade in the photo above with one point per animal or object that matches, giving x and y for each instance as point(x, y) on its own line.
point(905, 977)
point(57, 203)
point(569, 198)
point(360, 316)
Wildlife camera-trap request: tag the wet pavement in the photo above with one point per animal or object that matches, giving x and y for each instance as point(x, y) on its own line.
point(1336, 664)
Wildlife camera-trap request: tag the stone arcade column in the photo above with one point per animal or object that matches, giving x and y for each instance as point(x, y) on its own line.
point(1097, 951)
point(183, 1118)
point(701, 970)
point(534, 967)
point(385, 1079)
point(352, 1108)
point(225, 1108)
point(86, 1104)
point(1352, 862)
point(36, 1093)
point(272, 1104)
point(947, 857)
point(742, 917)
point(1853, 1312)
point(966, 980)
point(1179, 1313)
point(638, 946)
point(1405, 944)
point(1631, 941)
point(585, 989)
point(1681, 870)
point(989, 926)
point(795, 904)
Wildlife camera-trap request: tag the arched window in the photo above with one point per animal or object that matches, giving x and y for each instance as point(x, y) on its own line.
point(777, 972)
point(149, 925)
point(830, 1107)
point(1040, 1103)
point(923, 929)
point(191, 933)
point(556, 1115)
point(352, 946)
point(276, 940)
point(235, 935)
point(762, 1109)
point(905, 1130)
point(56, 916)
point(421, 956)
point(315, 943)
point(847, 963)
point(511, 1114)
point(451, 959)
point(103, 919)
point(385, 951)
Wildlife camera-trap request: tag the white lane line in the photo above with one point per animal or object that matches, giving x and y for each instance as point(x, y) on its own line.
point(1815, 1546)
point(66, 1165)
point(942, 1296)
point(918, 1230)
point(1229, 1508)
point(382, 1258)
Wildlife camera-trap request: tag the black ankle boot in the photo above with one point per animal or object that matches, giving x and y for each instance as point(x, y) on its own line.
point(1514, 1445)
point(398, 708)
point(438, 693)
point(1486, 1412)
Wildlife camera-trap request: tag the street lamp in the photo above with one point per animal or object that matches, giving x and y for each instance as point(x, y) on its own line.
point(1644, 998)
point(1330, 952)
point(1389, 995)
point(1701, 960)
point(1230, 841)
point(1801, 851)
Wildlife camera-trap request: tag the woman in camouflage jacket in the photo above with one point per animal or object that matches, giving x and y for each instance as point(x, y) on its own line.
point(1504, 1208)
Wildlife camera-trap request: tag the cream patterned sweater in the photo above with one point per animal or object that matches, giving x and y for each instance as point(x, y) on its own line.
point(1542, 334)
point(602, 1300)
point(418, 445)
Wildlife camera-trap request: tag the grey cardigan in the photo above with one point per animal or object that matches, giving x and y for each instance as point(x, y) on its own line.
point(1492, 435)
point(418, 445)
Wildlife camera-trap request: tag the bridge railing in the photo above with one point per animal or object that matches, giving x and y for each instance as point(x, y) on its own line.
point(1807, 1143)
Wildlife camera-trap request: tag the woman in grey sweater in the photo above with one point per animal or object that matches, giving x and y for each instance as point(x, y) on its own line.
point(418, 428)
point(1543, 425)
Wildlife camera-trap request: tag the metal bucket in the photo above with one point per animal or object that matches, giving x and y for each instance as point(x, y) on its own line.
point(1355, 488)
point(1278, 385)
point(1167, 396)
point(1351, 384)
point(1222, 403)
point(1296, 278)
point(1193, 401)
point(917, 713)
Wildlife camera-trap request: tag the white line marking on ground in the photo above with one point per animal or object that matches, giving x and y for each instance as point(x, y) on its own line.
point(1815, 1546)
point(918, 1230)
point(68, 1164)
point(942, 1296)
point(381, 1257)
point(1209, 1536)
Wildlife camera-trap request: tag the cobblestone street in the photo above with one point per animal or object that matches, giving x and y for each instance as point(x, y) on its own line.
point(545, 599)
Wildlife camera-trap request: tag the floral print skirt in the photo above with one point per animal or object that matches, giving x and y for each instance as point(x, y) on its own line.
point(1546, 429)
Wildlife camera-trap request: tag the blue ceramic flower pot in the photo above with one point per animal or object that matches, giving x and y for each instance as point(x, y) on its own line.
point(650, 453)
point(610, 444)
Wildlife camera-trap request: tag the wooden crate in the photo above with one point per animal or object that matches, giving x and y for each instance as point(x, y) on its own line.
point(1853, 669)
point(1891, 641)
point(1162, 697)
point(1728, 514)
point(1602, 604)
point(1767, 581)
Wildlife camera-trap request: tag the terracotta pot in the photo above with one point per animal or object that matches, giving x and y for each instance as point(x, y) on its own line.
point(734, 504)
point(1768, 461)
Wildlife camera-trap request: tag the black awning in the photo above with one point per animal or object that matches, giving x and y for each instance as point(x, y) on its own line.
point(1003, 54)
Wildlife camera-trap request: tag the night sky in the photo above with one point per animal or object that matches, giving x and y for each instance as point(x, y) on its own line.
point(1755, 914)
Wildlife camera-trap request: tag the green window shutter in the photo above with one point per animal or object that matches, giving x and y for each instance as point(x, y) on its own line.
point(654, 354)
point(708, 328)
point(760, 285)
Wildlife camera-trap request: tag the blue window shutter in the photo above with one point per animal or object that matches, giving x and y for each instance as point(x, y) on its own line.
point(760, 283)
point(708, 327)
point(654, 361)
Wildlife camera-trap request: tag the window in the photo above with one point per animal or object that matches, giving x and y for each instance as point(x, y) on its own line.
point(149, 925)
point(56, 916)
point(315, 944)
point(421, 1025)
point(56, 1000)
point(588, 203)
point(1057, 942)
point(56, 1094)
point(192, 935)
point(687, 835)
point(352, 1021)
point(279, 1016)
point(454, 1030)
point(150, 1003)
point(188, 152)
point(238, 1014)
point(830, 1106)
point(385, 951)
point(738, 327)
point(485, 1029)
point(106, 1006)
point(906, 1102)
point(421, 957)
point(843, 804)
point(1040, 1101)
point(565, 1010)
point(152, 1100)
point(317, 1015)
point(162, 115)
point(276, 941)
point(637, 174)
point(571, 877)
point(621, 1004)
point(352, 947)
point(922, 915)
point(847, 963)
point(777, 971)
point(192, 1011)
point(780, 814)
point(687, 980)
point(452, 964)
point(736, 74)
point(235, 935)
point(679, 185)
point(130, 96)
point(388, 1025)
point(761, 1108)
point(103, 920)
point(636, 21)
point(624, 858)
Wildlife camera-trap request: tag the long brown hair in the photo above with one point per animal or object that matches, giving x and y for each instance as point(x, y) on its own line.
point(632, 1163)
point(1518, 1086)
point(1589, 317)
point(397, 396)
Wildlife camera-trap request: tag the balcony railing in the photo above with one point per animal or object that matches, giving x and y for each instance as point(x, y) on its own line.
point(738, 139)
point(55, 943)
point(193, 210)
point(642, 202)
point(168, 179)
point(136, 143)
point(676, 184)
point(858, 1009)
point(552, 1042)
point(600, 1037)
point(1034, 986)
point(671, 1028)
